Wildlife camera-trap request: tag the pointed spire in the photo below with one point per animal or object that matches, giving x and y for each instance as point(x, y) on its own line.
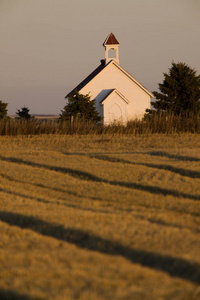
point(111, 40)
point(111, 43)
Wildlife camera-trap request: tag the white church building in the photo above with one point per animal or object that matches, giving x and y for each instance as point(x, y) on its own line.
point(119, 96)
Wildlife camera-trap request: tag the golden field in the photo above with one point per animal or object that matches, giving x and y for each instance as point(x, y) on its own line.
point(100, 217)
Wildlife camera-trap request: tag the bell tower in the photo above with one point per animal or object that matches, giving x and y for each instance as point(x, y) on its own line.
point(111, 45)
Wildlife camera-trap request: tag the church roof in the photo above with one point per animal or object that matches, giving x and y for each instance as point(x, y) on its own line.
point(87, 79)
point(111, 40)
point(98, 70)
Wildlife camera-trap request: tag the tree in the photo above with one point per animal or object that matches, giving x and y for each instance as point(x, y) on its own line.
point(23, 113)
point(179, 93)
point(81, 107)
point(3, 110)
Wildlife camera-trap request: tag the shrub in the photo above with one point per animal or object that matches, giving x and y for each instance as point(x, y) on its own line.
point(80, 107)
point(3, 110)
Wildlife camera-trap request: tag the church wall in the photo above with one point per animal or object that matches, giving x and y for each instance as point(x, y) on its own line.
point(110, 78)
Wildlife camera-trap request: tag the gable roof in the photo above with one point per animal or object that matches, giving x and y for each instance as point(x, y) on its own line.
point(98, 70)
point(133, 79)
point(87, 79)
point(118, 93)
point(111, 40)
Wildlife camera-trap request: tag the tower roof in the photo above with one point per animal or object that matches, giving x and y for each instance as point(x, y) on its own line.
point(111, 40)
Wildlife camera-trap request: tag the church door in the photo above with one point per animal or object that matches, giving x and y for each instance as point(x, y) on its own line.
point(115, 114)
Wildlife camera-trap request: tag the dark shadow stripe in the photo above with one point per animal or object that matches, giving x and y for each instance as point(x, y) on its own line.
point(13, 295)
point(75, 173)
point(56, 202)
point(70, 193)
point(24, 196)
point(173, 156)
point(180, 171)
point(90, 177)
point(155, 190)
point(79, 207)
point(160, 222)
point(176, 267)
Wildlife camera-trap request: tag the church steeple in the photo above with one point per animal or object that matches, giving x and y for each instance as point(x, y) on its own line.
point(111, 43)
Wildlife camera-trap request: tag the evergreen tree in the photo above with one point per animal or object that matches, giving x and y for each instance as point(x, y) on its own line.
point(179, 93)
point(23, 113)
point(80, 107)
point(3, 110)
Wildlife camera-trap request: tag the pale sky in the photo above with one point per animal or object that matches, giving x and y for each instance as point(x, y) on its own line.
point(47, 47)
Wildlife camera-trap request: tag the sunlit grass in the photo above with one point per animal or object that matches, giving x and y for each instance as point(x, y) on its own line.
point(160, 123)
point(100, 216)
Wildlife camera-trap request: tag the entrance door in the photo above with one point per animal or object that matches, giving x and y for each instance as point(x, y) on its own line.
point(115, 114)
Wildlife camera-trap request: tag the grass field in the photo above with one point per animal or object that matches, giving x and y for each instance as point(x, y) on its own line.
point(100, 217)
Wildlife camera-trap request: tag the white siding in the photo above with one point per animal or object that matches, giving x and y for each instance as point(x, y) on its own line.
point(111, 77)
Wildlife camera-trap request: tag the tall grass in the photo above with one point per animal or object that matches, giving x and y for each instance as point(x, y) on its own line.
point(158, 124)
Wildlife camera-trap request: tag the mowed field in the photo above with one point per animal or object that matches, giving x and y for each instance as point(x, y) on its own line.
point(100, 217)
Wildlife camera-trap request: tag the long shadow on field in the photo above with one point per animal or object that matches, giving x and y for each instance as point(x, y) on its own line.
point(173, 156)
point(12, 179)
point(12, 295)
point(24, 196)
point(180, 171)
point(57, 202)
point(76, 206)
point(82, 175)
point(174, 266)
point(79, 207)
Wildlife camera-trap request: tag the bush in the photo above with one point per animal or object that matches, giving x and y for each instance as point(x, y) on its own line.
point(3, 110)
point(23, 113)
point(80, 107)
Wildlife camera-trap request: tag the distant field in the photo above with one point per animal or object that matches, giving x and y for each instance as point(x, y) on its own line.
point(100, 217)
point(45, 117)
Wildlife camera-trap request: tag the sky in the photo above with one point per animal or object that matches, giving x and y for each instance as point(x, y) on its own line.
point(47, 47)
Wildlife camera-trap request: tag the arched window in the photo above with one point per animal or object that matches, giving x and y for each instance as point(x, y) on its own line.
point(112, 53)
